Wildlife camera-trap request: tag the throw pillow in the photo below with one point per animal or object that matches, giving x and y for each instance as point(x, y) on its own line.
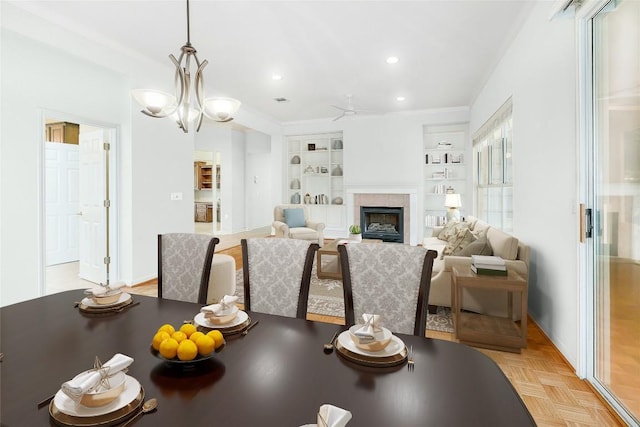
point(458, 242)
point(294, 217)
point(479, 247)
point(452, 229)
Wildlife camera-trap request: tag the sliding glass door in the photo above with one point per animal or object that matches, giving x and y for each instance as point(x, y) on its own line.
point(615, 172)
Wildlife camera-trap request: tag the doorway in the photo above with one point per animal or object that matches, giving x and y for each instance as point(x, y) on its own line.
point(207, 167)
point(79, 229)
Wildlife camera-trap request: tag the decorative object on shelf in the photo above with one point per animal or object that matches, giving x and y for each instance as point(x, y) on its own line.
point(323, 169)
point(295, 198)
point(160, 104)
point(309, 169)
point(307, 198)
point(295, 184)
point(337, 171)
point(337, 144)
point(337, 201)
point(355, 233)
point(453, 201)
point(444, 145)
point(295, 160)
point(311, 147)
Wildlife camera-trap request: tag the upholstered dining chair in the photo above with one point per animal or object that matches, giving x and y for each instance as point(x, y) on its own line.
point(292, 222)
point(277, 275)
point(389, 279)
point(184, 266)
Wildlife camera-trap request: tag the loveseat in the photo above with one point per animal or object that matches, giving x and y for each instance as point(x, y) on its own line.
point(474, 237)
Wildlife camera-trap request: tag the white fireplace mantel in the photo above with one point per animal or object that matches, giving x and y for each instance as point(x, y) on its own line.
point(351, 192)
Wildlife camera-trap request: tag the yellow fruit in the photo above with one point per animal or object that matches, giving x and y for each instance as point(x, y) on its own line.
point(205, 344)
point(167, 328)
point(188, 329)
point(168, 348)
point(217, 337)
point(179, 336)
point(158, 338)
point(187, 350)
point(194, 336)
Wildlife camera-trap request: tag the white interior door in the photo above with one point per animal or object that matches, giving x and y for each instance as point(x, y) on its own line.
point(62, 202)
point(92, 196)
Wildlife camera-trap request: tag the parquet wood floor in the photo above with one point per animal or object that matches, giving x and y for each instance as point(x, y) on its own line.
point(545, 381)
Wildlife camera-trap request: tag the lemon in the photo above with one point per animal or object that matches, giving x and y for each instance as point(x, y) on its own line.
point(188, 329)
point(217, 337)
point(158, 338)
point(187, 350)
point(167, 328)
point(205, 344)
point(168, 348)
point(194, 336)
point(179, 336)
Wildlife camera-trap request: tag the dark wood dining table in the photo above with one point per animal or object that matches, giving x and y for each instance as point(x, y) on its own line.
point(276, 375)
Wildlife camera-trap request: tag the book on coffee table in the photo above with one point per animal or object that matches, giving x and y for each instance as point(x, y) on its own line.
point(488, 271)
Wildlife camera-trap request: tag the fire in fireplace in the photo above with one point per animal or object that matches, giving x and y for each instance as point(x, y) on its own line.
point(381, 222)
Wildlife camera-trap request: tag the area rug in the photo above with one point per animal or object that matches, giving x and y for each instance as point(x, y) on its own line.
point(326, 298)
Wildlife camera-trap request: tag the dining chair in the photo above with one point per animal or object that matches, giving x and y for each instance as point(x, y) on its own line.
point(389, 279)
point(184, 266)
point(277, 275)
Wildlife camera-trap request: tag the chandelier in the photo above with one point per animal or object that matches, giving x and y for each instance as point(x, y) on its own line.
point(187, 105)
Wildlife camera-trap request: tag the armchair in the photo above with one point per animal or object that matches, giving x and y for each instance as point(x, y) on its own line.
point(290, 223)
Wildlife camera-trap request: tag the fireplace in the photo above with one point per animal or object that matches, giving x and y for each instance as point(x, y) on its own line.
point(381, 222)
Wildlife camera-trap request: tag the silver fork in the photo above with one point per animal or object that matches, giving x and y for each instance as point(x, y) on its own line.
point(410, 363)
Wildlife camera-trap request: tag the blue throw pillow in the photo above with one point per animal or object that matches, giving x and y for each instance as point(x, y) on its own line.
point(294, 217)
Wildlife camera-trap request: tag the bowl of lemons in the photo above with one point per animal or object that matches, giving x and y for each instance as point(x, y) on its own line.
point(185, 345)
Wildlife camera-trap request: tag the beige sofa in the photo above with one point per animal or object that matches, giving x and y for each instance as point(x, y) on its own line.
point(514, 252)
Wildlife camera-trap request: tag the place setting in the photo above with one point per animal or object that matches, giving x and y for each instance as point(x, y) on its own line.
point(105, 299)
point(102, 396)
point(224, 316)
point(371, 344)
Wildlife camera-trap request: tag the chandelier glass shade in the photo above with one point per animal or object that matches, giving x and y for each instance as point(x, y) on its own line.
point(189, 103)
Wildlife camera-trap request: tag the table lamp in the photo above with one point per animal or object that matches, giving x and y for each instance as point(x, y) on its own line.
point(453, 202)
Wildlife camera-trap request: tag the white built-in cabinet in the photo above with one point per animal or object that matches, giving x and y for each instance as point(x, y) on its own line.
point(446, 161)
point(315, 177)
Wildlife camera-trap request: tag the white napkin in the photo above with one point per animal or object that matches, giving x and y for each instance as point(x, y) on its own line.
point(224, 307)
point(332, 416)
point(367, 332)
point(101, 290)
point(86, 381)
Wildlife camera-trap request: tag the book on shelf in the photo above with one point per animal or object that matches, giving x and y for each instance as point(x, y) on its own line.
point(488, 271)
point(487, 259)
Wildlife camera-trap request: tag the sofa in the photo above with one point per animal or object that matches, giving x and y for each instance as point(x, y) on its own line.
point(476, 238)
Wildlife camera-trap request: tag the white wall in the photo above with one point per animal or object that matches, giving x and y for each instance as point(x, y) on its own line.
point(539, 72)
point(258, 180)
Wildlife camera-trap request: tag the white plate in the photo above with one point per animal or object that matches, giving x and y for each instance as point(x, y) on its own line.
point(395, 346)
point(66, 405)
point(89, 302)
point(202, 321)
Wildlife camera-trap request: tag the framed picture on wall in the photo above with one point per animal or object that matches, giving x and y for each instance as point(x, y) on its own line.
point(311, 147)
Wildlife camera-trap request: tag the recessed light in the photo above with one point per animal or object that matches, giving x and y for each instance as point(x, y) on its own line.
point(392, 60)
point(276, 77)
point(400, 98)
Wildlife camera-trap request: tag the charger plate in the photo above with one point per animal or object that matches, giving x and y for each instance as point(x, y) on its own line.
point(362, 357)
point(107, 308)
point(237, 325)
point(89, 302)
point(109, 419)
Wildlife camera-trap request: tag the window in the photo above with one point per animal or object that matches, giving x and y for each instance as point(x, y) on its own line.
point(493, 175)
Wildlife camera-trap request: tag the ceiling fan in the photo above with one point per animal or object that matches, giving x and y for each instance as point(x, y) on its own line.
point(349, 110)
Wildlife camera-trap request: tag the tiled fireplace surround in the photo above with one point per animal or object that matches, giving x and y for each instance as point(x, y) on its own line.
point(387, 197)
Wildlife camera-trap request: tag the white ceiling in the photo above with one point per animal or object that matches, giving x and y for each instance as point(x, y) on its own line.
point(323, 49)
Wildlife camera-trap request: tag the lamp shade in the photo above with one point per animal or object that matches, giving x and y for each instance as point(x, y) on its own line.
point(221, 109)
point(155, 102)
point(452, 200)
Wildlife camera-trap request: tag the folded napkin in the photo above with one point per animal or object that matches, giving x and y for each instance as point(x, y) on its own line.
point(225, 307)
point(88, 380)
point(332, 416)
point(367, 332)
point(101, 290)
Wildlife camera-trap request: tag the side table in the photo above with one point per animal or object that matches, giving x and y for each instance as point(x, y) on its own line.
point(332, 269)
point(480, 330)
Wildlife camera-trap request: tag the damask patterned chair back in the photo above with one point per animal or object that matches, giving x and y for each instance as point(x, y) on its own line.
point(389, 279)
point(277, 275)
point(184, 266)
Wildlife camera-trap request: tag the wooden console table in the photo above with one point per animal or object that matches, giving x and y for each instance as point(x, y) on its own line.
point(480, 330)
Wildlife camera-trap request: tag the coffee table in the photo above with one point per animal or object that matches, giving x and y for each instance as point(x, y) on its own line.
point(332, 269)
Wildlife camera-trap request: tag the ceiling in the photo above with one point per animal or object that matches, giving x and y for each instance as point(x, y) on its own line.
point(324, 50)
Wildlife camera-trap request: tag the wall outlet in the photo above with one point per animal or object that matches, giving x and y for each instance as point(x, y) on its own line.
point(176, 196)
